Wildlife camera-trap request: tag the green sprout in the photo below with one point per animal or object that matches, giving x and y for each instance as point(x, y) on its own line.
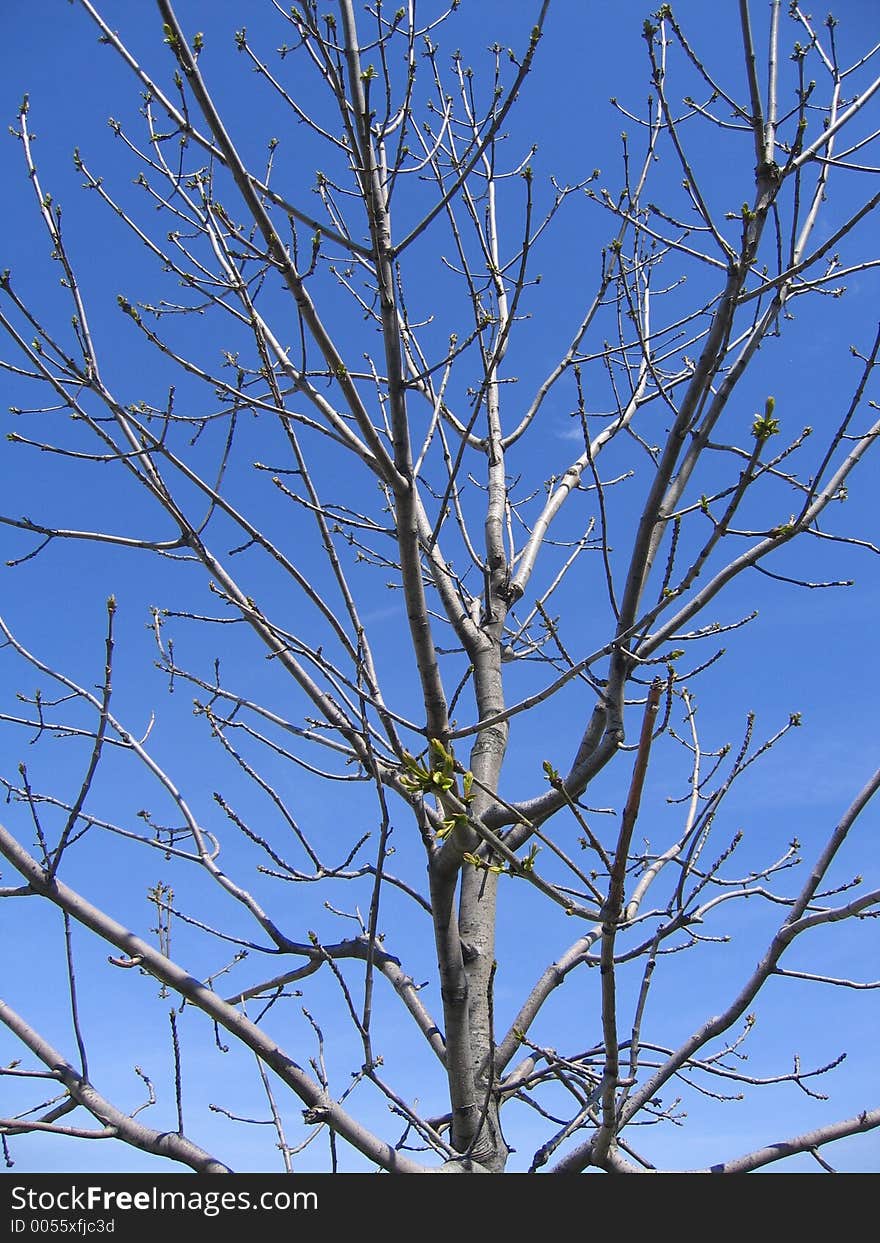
point(437, 777)
point(528, 863)
point(476, 862)
point(765, 427)
point(552, 774)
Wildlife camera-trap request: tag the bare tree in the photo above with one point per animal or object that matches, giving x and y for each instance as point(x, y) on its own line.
point(307, 419)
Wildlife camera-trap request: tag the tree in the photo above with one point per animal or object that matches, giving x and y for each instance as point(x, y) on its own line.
point(437, 551)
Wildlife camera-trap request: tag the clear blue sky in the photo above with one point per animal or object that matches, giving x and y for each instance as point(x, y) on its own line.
point(808, 651)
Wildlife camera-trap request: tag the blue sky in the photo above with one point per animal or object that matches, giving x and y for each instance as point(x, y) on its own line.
point(808, 651)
